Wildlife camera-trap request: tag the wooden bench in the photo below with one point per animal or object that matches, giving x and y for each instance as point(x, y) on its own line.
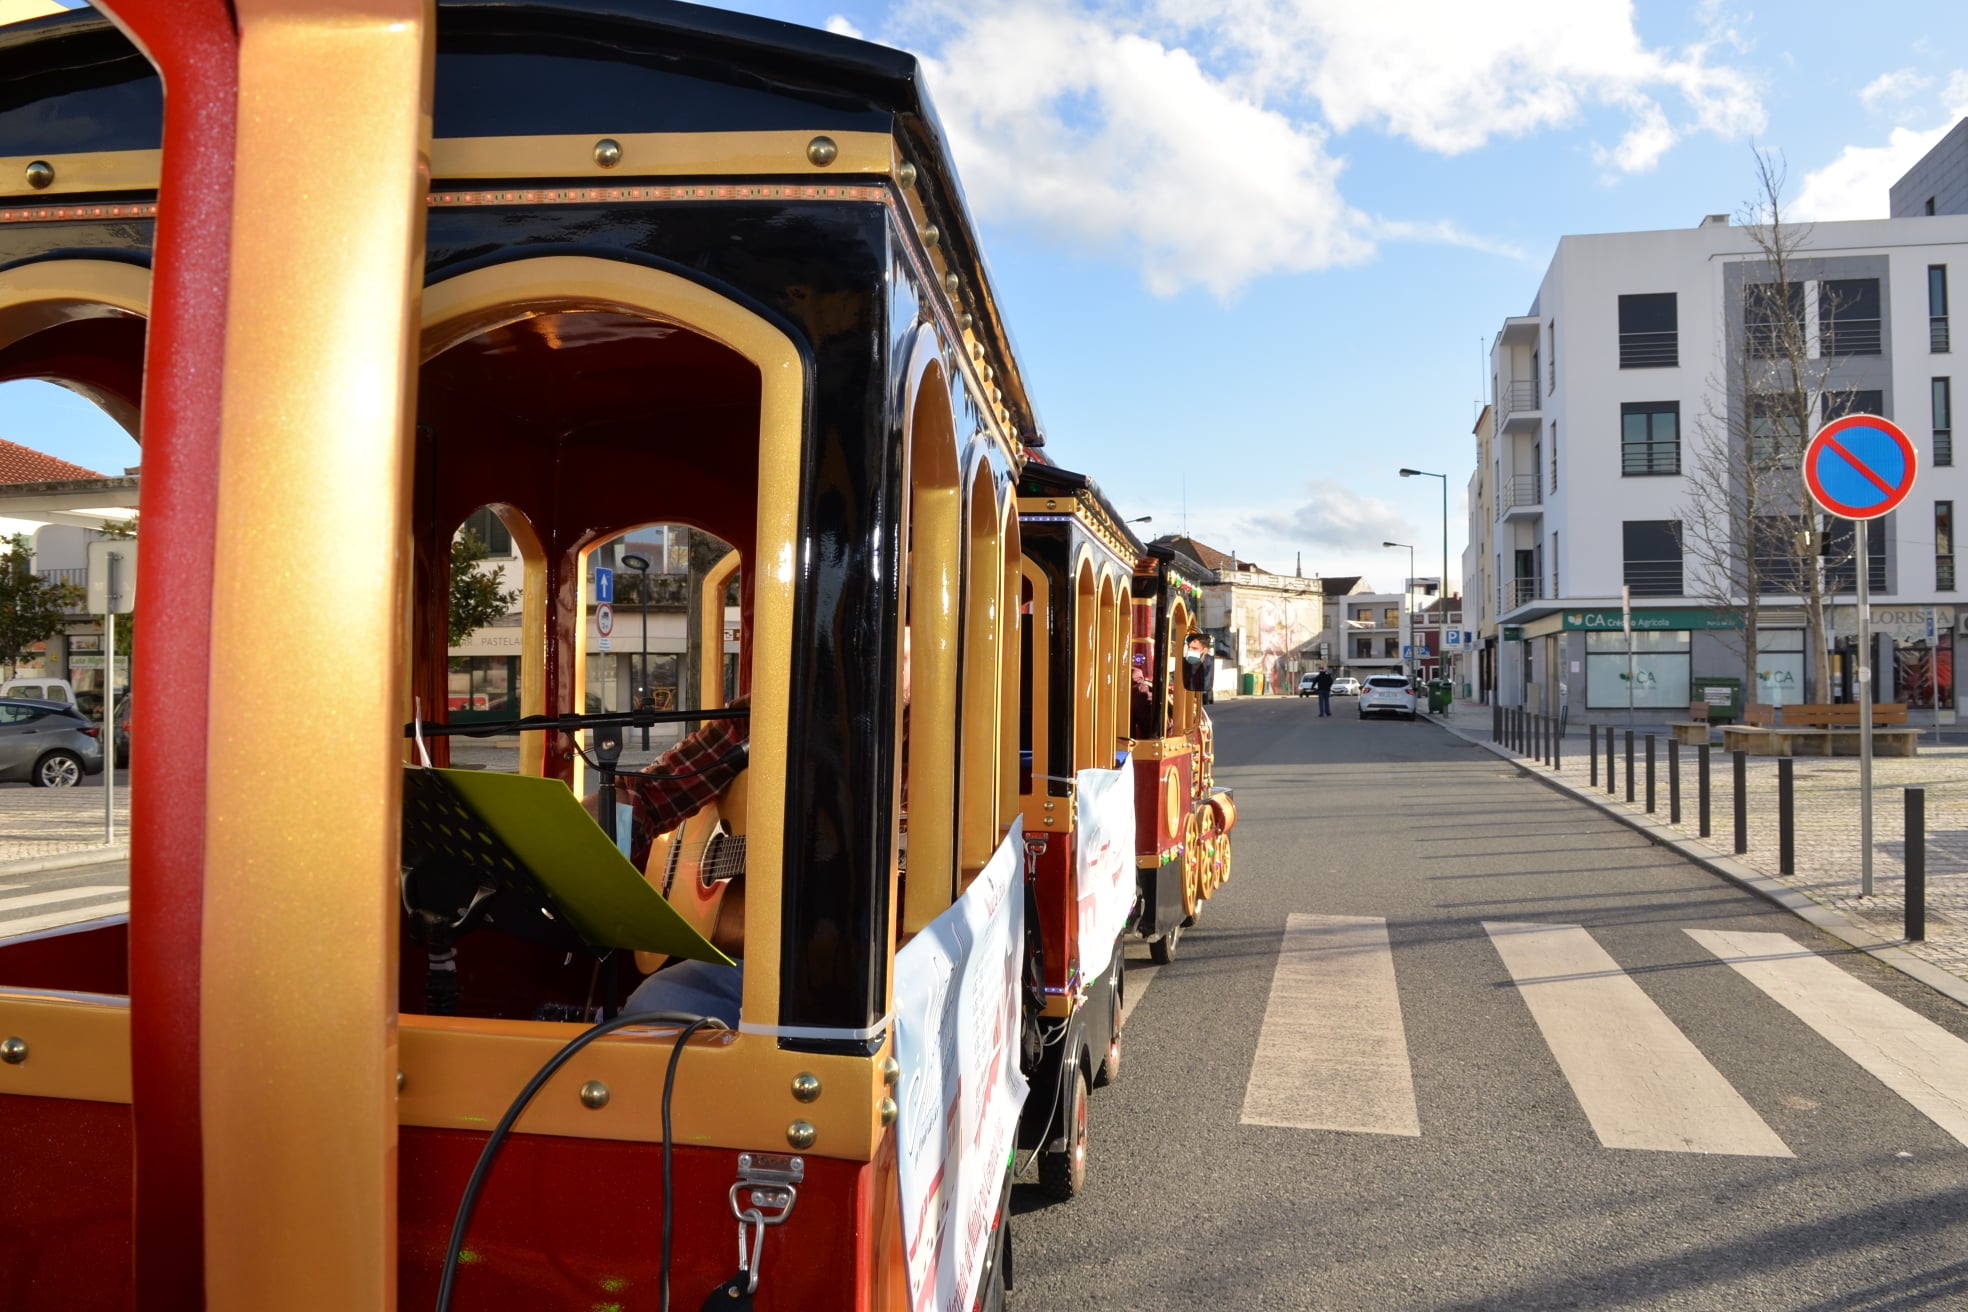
point(1693, 731)
point(1759, 734)
point(1833, 730)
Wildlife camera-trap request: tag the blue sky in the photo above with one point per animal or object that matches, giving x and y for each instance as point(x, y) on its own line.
point(1252, 250)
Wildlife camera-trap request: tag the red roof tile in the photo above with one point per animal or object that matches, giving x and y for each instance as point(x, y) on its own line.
point(20, 464)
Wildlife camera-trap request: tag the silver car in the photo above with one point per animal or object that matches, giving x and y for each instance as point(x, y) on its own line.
point(47, 744)
point(1387, 694)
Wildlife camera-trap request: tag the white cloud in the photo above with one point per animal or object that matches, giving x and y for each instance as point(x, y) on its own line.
point(1331, 523)
point(1450, 75)
point(1196, 138)
point(1892, 88)
point(839, 25)
point(1856, 184)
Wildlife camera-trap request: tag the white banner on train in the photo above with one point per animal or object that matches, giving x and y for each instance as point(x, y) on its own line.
point(956, 1038)
point(1104, 852)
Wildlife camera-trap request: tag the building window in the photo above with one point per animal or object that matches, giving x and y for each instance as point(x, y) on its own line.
point(1930, 206)
point(1773, 320)
point(1854, 401)
point(1650, 336)
point(1778, 560)
point(490, 530)
point(1841, 545)
point(1556, 591)
point(1363, 649)
point(1848, 316)
point(1654, 673)
point(1779, 666)
point(1390, 648)
point(1776, 438)
point(1937, 314)
point(1943, 396)
point(1551, 361)
point(1650, 437)
point(1944, 546)
point(1554, 455)
point(1391, 619)
point(1653, 557)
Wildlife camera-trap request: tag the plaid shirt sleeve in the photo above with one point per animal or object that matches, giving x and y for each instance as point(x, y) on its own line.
point(683, 780)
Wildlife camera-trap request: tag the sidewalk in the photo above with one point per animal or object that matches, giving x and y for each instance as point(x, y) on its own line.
point(40, 823)
point(1826, 831)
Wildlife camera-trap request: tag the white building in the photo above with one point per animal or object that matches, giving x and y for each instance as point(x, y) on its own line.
point(1600, 393)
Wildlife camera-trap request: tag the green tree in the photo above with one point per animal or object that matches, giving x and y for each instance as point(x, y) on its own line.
point(31, 608)
point(476, 598)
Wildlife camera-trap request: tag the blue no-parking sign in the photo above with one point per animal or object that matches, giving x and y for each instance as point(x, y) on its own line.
point(1859, 467)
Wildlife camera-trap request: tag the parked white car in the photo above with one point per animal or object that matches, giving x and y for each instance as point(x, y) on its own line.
point(1387, 694)
point(1346, 686)
point(40, 690)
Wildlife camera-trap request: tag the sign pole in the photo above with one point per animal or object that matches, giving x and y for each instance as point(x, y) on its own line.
point(109, 699)
point(1934, 668)
point(1865, 708)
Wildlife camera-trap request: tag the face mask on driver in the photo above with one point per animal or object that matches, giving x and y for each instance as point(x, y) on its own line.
point(1193, 657)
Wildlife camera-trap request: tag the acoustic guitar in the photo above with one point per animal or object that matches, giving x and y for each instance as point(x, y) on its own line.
point(696, 867)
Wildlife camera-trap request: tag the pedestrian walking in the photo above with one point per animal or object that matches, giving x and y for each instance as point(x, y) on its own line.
point(1324, 682)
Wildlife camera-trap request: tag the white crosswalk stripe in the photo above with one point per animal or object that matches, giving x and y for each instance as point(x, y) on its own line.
point(1905, 1051)
point(56, 919)
point(8, 904)
point(1640, 1081)
point(1332, 1053)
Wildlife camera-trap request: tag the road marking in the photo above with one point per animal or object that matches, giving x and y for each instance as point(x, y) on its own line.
point(58, 895)
point(56, 919)
point(1899, 1047)
point(1332, 1053)
point(1639, 1080)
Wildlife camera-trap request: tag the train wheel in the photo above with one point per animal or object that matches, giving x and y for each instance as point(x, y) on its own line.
point(1192, 867)
point(1062, 1170)
point(1206, 848)
point(1110, 1065)
point(1222, 857)
point(1162, 950)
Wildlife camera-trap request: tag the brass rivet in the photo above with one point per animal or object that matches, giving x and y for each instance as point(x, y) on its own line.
point(399, 1081)
point(906, 175)
point(964, 321)
point(801, 1134)
point(950, 283)
point(887, 1109)
point(932, 234)
point(608, 152)
point(806, 1086)
point(40, 175)
point(821, 151)
point(594, 1095)
point(891, 1071)
point(13, 1050)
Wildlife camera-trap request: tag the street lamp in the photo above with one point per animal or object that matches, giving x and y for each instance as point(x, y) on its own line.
point(1442, 591)
point(640, 564)
point(1145, 519)
point(1407, 641)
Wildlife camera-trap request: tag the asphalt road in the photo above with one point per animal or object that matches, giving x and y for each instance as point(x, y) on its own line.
point(1384, 1074)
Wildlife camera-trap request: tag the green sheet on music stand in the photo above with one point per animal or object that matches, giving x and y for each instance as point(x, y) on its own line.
point(592, 886)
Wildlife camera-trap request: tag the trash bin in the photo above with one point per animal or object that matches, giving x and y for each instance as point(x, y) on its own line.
point(1249, 685)
point(1723, 696)
point(1440, 693)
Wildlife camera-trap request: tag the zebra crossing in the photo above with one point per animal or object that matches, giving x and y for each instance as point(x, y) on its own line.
point(1332, 1051)
point(23, 912)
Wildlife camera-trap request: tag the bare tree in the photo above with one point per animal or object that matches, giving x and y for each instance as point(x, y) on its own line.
point(1750, 533)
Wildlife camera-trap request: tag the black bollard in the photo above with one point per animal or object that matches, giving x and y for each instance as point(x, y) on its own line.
point(1674, 781)
point(1629, 765)
point(1786, 819)
point(1558, 745)
point(1701, 788)
point(1592, 750)
point(1650, 774)
point(1742, 801)
point(1916, 864)
point(1496, 722)
point(1611, 784)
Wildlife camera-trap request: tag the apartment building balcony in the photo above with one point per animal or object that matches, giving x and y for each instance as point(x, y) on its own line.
point(1520, 497)
point(1517, 402)
point(1855, 336)
point(1521, 592)
point(77, 577)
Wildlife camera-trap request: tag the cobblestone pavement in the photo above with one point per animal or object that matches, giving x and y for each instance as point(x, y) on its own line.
point(1827, 865)
point(42, 822)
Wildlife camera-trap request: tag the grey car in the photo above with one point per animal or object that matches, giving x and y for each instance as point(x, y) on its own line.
point(47, 744)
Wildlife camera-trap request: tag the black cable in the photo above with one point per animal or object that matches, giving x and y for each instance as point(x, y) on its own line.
point(691, 1024)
